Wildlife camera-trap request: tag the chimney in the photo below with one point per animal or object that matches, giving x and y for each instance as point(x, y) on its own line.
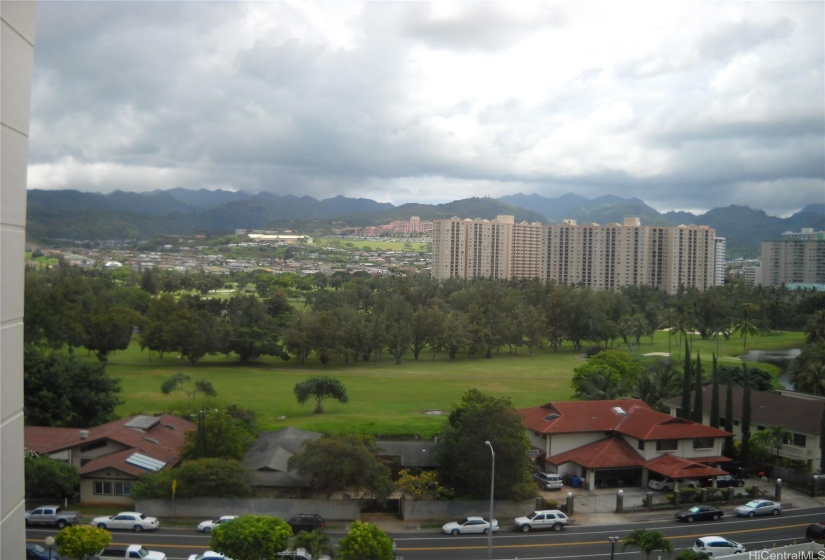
point(84, 434)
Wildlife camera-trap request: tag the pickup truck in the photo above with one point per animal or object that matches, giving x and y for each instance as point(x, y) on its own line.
point(55, 516)
point(131, 551)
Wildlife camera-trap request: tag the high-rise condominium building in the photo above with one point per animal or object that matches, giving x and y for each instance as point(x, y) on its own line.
point(798, 258)
point(17, 30)
point(602, 257)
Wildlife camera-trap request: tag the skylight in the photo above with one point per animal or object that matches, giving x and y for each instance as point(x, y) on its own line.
point(145, 462)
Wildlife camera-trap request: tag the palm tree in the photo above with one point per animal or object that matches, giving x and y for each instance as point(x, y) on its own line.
point(771, 438)
point(812, 378)
point(747, 324)
point(647, 541)
point(815, 328)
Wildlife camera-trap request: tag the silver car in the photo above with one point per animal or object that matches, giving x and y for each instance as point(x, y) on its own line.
point(758, 507)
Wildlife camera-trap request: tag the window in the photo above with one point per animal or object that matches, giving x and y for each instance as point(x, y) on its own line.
point(703, 443)
point(103, 487)
point(123, 488)
point(641, 445)
point(800, 440)
point(667, 445)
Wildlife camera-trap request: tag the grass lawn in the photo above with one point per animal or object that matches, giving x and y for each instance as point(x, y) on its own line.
point(384, 398)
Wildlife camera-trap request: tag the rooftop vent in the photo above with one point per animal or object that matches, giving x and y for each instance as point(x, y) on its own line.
point(84, 434)
point(151, 440)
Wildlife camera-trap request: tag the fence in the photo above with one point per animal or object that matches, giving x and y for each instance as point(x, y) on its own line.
point(813, 485)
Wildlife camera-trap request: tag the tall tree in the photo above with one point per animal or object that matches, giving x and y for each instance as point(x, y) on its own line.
point(320, 388)
point(698, 395)
point(48, 478)
point(728, 446)
point(465, 459)
point(714, 394)
point(687, 380)
point(62, 390)
point(343, 462)
point(746, 414)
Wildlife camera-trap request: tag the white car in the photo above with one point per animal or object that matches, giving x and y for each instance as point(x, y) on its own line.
point(544, 519)
point(131, 520)
point(209, 524)
point(668, 484)
point(208, 555)
point(719, 546)
point(469, 525)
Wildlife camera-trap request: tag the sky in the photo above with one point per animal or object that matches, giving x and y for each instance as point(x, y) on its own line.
point(685, 105)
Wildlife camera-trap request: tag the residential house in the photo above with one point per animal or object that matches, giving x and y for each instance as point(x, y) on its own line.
point(621, 442)
point(799, 413)
point(112, 456)
point(268, 458)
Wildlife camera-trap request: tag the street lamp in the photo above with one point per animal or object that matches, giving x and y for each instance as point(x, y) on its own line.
point(492, 489)
point(613, 541)
point(49, 544)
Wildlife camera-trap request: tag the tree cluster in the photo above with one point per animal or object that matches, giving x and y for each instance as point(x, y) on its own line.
point(209, 477)
point(360, 317)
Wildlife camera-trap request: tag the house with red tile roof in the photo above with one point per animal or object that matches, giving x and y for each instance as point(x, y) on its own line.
point(112, 456)
point(621, 442)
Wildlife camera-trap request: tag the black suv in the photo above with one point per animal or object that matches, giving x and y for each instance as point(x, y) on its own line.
point(306, 522)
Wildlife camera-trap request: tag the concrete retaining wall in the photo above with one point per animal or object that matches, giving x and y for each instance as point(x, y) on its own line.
point(504, 510)
point(205, 508)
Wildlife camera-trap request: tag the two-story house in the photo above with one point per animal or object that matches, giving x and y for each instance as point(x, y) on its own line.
point(112, 456)
point(799, 413)
point(621, 442)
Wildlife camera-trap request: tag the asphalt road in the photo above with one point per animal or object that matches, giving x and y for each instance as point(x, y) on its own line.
point(574, 542)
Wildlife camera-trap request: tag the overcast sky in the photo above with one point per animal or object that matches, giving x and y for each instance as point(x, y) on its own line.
point(688, 106)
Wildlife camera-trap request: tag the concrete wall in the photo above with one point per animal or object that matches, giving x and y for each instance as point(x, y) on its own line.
point(17, 32)
point(206, 508)
point(504, 510)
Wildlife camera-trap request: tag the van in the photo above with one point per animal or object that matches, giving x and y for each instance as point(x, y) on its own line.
point(717, 546)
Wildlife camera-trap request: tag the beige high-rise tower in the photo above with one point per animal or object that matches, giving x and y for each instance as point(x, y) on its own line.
point(605, 257)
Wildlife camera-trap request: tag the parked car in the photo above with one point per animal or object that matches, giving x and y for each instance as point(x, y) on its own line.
point(668, 484)
point(700, 513)
point(35, 551)
point(726, 481)
point(306, 522)
point(208, 555)
point(815, 531)
point(548, 481)
point(469, 525)
point(543, 519)
point(209, 524)
point(717, 546)
point(758, 507)
point(300, 554)
point(129, 552)
point(131, 520)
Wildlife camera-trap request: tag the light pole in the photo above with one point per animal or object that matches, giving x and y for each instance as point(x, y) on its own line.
point(492, 489)
point(49, 545)
point(613, 541)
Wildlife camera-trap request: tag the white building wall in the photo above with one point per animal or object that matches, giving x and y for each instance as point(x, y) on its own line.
point(17, 31)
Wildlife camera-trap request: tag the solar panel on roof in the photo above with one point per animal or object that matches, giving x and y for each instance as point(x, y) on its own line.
point(145, 462)
point(142, 422)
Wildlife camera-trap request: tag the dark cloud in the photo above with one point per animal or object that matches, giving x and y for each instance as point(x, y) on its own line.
point(431, 102)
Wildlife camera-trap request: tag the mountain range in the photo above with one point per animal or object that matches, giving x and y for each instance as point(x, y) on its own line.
point(77, 216)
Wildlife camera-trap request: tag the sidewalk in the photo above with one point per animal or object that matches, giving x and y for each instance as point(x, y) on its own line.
point(598, 507)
